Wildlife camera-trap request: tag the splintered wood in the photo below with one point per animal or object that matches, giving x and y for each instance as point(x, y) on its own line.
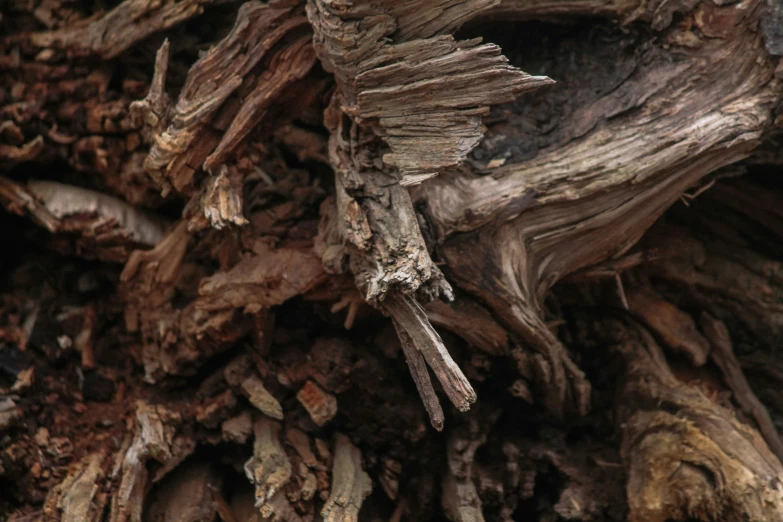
point(423, 94)
point(420, 341)
point(269, 468)
point(77, 497)
point(120, 28)
point(233, 228)
point(155, 438)
point(228, 91)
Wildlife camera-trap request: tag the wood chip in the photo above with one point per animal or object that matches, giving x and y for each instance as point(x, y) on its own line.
point(321, 405)
point(269, 469)
point(261, 398)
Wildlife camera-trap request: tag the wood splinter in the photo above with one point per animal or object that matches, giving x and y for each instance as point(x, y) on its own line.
point(420, 341)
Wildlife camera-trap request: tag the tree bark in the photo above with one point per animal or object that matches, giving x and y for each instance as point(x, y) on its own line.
point(242, 238)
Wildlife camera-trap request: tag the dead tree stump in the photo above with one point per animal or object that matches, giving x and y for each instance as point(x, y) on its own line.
point(396, 260)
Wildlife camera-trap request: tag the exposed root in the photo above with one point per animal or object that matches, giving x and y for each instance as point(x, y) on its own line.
point(687, 457)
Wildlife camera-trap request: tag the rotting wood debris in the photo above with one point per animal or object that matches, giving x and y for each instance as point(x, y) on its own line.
point(243, 237)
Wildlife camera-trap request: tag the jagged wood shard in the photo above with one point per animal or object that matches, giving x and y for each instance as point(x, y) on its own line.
point(250, 64)
point(424, 93)
point(418, 368)
point(410, 319)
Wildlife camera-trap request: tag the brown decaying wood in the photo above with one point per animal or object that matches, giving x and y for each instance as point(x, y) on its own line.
point(233, 370)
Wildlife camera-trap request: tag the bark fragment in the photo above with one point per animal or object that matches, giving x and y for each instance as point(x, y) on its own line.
point(155, 438)
point(270, 470)
point(350, 484)
point(261, 398)
point(321, 405)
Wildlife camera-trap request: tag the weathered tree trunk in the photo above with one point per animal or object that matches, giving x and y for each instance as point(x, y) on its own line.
point(391, 260)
